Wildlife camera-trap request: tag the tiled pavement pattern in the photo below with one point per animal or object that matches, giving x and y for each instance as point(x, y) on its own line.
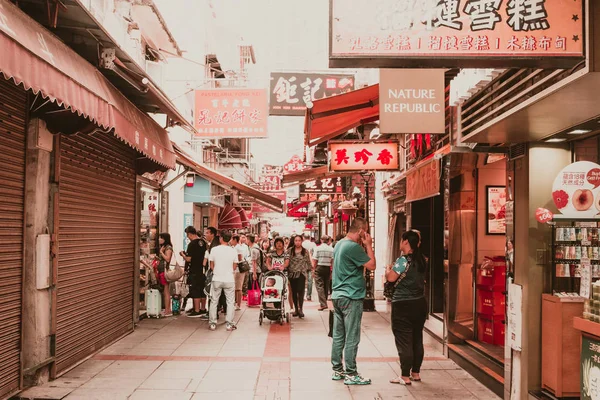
point(178, 358)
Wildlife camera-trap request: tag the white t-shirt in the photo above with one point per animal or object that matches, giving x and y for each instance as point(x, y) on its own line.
point(310, 246)
point(224, 258)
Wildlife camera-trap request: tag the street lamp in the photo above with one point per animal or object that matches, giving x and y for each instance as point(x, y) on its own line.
point(369, 301)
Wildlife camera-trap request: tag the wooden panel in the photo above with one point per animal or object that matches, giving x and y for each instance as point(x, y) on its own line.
point(96, 240)
point(13, 102)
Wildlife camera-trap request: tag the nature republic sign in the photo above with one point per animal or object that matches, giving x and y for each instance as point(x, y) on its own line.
point(456, 33)
point(411, 101)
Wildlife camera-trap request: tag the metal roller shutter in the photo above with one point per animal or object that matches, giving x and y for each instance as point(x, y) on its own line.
point(13, 114)
point(96, 240)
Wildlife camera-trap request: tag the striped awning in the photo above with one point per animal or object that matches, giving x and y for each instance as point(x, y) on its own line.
point(229, 218)
point(243, 217)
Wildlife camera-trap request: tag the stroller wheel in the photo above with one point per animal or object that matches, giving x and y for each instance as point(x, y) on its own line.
point(287, 317)
point(260, 319)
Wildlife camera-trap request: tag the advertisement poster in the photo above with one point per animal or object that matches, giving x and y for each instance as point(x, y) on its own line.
point(188, 220)
point(496, 210)
point(457, 31)
point(576, 190)
point(590, 369)
point(515, 316)
point(231, 113)
point(292, 92)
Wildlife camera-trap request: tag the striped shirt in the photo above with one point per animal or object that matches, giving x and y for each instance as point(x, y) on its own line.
point(324, 255)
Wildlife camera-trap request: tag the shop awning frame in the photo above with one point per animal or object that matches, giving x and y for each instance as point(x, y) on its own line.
point(333, 116)
point(228, 183)
point(229, 218)
point(33, 57)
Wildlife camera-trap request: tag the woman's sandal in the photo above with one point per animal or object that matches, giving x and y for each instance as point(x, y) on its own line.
point(415, 379)
point(399, 381)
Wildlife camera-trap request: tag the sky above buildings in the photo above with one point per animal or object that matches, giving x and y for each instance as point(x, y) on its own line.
point(287, 35)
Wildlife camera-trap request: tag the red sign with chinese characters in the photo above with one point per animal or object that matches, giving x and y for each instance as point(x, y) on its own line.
point(453, 32)
point(423, 182)
point(294, 165)
point(363, 156)
point(231, 113)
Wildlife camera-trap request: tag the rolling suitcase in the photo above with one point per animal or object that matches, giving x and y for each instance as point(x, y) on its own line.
point(153, 303)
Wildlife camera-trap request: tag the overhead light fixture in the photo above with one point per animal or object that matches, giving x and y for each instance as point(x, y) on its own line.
point(556, 140)
point(190, 179)
point(579, 131)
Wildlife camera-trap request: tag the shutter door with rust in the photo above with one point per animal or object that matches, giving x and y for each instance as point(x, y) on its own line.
point(13, 106)
point(96, 239)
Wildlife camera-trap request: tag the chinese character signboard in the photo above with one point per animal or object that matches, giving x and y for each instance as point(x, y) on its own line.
point(363, 156)
point(412, 101)
point(576, 190)
point(231, 113)
point(423, 182)
point(324, 186)
point(455, 33)
point(291, 92)
point(294, 165)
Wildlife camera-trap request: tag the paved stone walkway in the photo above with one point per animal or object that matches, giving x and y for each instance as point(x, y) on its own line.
point(178, 358)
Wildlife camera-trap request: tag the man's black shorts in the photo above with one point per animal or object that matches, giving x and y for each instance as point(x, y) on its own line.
point(197, 283)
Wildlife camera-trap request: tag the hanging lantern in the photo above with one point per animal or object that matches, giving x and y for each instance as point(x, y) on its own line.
point(189, 180)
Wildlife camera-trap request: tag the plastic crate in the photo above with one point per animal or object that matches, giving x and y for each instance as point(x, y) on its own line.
point(491, 274)
point(491, 330)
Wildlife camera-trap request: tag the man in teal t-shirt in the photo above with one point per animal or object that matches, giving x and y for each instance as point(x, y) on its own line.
point(349, 289)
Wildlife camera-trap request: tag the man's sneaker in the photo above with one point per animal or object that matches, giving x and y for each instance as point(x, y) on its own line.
point(203, 312)
point(356, 380)
point(338, 376)
point(231, 327)
point(205, 317)
point(212, 327)
point(194, 314)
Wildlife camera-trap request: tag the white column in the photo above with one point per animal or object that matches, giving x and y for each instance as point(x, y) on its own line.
point(382, 240)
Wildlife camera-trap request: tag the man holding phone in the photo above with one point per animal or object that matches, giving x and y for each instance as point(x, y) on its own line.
point(351, 256)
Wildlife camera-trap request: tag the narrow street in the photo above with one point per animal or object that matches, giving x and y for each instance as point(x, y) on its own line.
point(178, 358)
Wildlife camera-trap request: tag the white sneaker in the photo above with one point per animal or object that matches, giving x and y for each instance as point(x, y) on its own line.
point(212, 327)
point(231, 327)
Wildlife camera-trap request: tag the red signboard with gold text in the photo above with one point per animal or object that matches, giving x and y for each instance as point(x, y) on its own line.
point(363, 156)
point(455, 32)
point(231, 113)
point(423, 182)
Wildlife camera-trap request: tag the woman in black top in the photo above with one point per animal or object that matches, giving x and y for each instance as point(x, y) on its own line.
point(409, 307)
point(165, 253)
point(300, 264)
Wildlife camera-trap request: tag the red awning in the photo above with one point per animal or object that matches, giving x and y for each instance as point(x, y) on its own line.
point(299, 210)
point(271, 202)
point(243, 217)
point(34, 57)
point(229, 218)
point(332, 116)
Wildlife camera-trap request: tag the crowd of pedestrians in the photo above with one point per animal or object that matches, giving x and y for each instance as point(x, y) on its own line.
point(221, 266)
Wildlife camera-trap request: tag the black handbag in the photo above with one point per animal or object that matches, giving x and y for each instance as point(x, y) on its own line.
point(390, 287)
point(243, 266)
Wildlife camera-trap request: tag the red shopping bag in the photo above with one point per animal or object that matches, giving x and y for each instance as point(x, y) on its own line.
point(254, 295)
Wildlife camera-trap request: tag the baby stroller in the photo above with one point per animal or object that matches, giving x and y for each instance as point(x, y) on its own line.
point(273, 285)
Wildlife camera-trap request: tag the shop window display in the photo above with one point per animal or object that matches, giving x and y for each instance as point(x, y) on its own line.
point(148, 236)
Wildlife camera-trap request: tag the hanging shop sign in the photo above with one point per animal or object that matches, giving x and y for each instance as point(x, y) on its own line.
point(294, 165)
point(324, 186)
point(423, 182)
point(188, 220)
point(590, 368)
point(496, 210)
point(314, 197)
point(231, 113)
point(412, 101)
point(291, 93)
point(455, 33)
point(299, 210)
point(515, 316)
point(576, 190)
point(363, 156)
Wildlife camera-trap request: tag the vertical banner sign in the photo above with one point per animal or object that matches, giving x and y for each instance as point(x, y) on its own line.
point(515, 316)
point(423, 182)
point(363, 156)
point(292, 92)
point(455, 33)
point(590, 368)
point(412, 101)
point(585, 284)
point(231, 113)
point(188, 220)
